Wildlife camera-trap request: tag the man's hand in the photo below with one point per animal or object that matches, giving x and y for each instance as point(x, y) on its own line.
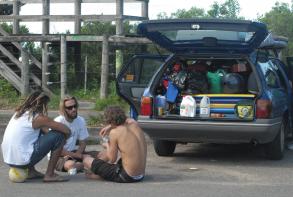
point(105, 130)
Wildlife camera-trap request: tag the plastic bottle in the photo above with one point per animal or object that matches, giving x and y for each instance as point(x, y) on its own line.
point(188, 106)
point(204, 105)
point(72, 171)
point(161, 104)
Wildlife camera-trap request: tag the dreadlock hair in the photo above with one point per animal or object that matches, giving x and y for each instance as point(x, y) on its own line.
point(114, 115)
point(36, 103)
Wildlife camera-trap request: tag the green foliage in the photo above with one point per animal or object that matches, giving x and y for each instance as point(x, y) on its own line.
point(113, 99)
point(191, 13)
point(54, 102)
point(229, 9)
point(9, 97)
point(6, 9)
point(277, 21)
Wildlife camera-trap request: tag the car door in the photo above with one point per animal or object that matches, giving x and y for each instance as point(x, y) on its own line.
point(135, 76)
point(290, 68)
point(205, 35)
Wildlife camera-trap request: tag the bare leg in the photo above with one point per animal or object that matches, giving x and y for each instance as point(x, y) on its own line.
point(34, 174)
point(87, 163)
point(50, 175)
point(73, 164)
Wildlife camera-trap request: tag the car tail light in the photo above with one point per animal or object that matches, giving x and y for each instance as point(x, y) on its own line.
point(263, 108)
point(146, 106)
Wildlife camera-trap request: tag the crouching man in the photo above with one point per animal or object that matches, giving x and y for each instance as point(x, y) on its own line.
point(126, 139)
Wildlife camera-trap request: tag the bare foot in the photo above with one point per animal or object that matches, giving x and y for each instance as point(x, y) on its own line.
point(34, 174)
point(90, 175)
point(54, 178)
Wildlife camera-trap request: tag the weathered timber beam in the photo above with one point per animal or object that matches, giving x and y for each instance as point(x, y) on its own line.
point(30, 38)
point(74, 38)
point(69, 1)
point(66, 18)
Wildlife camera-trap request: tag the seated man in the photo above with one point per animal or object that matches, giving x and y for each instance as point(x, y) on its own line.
point(125, 137)
point(71, 155)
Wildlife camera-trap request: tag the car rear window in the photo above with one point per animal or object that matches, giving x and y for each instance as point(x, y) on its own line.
point(192, 35)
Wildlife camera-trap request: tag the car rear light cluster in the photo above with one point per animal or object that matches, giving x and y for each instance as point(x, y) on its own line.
point(263, 108)
point(146, 106)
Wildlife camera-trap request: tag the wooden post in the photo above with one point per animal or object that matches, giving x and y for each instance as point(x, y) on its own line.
point(16, 6)
point(77, 13)
point(119, 31)
point(104, 68)
point(46, 12)
point(145, 8)
point(25, 73)
point(63, 62)
point(77, 45)
point(45, 31)
point(85, 74)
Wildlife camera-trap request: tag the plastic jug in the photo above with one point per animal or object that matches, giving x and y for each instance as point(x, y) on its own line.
point(204, 105)
point(161, 104)
point(188, 107)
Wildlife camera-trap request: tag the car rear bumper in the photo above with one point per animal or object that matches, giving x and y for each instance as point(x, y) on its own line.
point(260, 131)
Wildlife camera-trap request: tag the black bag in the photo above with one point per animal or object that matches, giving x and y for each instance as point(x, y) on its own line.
point(197, 83)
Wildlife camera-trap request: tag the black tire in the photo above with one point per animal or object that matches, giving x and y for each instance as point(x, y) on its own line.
point(275, 149)
point(164, 148)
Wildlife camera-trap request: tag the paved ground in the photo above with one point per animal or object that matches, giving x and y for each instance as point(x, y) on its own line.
point(205, 170)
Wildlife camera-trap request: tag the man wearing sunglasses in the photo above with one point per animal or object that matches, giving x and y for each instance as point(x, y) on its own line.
point(71, 156)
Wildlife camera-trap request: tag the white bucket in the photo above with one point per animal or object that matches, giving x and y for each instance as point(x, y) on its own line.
point(188, 107)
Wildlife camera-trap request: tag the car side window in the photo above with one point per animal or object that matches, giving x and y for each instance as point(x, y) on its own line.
point(130, 75)
point(150, 66)
point(141, 70)
point(280, 74)
point(268, 70)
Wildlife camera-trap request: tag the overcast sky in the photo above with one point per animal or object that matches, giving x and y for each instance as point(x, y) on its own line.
point(250, 9)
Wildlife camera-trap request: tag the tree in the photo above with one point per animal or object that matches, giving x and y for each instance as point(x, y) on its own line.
point(6, 9)
point(229, 9)
point(278, 20)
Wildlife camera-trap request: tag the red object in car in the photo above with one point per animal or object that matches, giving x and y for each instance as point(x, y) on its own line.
point(146, 106)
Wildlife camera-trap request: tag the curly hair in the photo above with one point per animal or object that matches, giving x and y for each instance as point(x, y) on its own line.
point(36, 103)
point(114, 115)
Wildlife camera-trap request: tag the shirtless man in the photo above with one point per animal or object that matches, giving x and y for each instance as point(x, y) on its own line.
point(126, 138)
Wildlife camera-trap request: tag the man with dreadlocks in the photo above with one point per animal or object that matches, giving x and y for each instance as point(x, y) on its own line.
point(27, 138)
point(126, 138)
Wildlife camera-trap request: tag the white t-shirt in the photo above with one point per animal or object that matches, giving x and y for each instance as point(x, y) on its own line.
point(78, 131)
point(18, 140)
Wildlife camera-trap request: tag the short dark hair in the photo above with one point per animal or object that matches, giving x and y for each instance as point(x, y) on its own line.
point(114, 115)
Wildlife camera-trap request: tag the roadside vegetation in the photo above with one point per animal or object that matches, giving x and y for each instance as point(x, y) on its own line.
point(277, 20)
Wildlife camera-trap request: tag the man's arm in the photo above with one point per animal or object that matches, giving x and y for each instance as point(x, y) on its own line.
point(75, 155)
point(45, 122)
point(112, 147)
point(81, 146)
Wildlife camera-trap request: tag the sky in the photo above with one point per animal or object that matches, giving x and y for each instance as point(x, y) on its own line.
point(250, 9)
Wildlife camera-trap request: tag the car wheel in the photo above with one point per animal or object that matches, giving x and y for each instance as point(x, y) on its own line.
point(275, 149)
point(164, 148)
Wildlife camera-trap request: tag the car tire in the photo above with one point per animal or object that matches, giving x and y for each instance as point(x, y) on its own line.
point(164, 148)
point(275, 149)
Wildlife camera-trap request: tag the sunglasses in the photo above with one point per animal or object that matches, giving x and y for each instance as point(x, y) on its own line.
point(71, 107)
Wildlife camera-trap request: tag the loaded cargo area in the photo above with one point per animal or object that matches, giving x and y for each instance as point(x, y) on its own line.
point(206, 89)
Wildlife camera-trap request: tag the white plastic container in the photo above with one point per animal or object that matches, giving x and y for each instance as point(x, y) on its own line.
point(204, 107)
point(188, 106)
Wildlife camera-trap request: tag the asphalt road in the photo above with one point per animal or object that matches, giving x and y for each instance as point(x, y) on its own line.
point(197, 170)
